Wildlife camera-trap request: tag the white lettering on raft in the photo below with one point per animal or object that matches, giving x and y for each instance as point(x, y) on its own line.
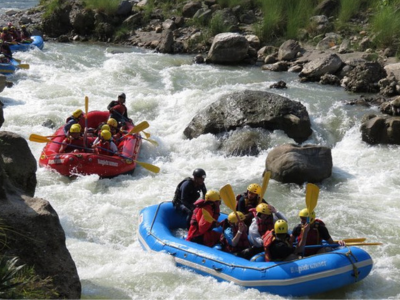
point(302, 268)
point(107, 163)
point(55, 161)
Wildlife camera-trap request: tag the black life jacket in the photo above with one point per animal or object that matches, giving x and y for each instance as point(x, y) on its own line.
point(176, 201)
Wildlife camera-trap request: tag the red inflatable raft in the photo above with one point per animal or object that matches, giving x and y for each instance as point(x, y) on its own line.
point(86, 163)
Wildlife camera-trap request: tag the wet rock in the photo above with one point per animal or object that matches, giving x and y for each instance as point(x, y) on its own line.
point(33, 229)
point(364, 78)
point(381, 130)
point(256, 109)
point(327, 64)
point(228, 48)
point(298, 164)
point(288, 50)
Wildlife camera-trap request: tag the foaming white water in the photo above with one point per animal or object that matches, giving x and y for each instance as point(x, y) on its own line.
point(99, 216)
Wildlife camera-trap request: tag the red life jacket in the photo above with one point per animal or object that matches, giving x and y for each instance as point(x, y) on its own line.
point(265, 225)
point(102, 146)
point(268, 239)
point(313, 237)
point(120, 108)
point(194, 229)
point(73, 142)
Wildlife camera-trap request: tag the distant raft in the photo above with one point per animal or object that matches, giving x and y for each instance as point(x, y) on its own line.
point(11, 67)
point(37, 42)
point(311, 275)
point(87, 163)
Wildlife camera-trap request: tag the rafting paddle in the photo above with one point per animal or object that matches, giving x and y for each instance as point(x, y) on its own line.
point(267, 176)
point(312, 192)
point(228, 196)
point(42, 139)
point(86, 120)
point(347, 244)
point(23, 66)
point(353, 240)
point(207, 216)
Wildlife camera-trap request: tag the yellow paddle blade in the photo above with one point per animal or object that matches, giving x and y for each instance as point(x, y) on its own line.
point(86, 105)
point(151, 141)
point(38, 138)
point(267, 176)
point(207, 216)
point(139, 127)
point(148, 166)
point(23, 66)
point(146, 134)
point(312, 192)
point(363, 244)
point(228, 196)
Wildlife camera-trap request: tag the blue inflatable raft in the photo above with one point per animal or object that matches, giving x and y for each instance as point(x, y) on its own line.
point(315, 274)
point(9, 68)
point(36, 43)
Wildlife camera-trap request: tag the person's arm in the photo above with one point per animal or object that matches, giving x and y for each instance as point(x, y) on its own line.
point(111, 105)
point(279, 216)
point(254, 235)
point(239, 233)
point(300, 245)
point(113, 147)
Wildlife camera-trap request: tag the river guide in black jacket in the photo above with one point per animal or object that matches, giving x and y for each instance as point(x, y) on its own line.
point(188, 191)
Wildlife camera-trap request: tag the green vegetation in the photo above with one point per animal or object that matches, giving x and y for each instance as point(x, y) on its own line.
point(386, 23)
point(21, 282)
point(277, 20)
point(50, 6)
point(105, 6)
point(18, 281)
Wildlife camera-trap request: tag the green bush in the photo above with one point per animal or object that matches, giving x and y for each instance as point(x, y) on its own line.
point(108, 7)
point(21, 282)
point(385, 24)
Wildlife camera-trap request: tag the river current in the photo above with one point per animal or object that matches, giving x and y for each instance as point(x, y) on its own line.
point(99, 216)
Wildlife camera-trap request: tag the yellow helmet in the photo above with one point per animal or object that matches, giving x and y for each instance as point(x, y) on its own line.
point(212, 196)
point(263, 208)
point(75, 128)
point(5, 28)
point(76, 114)
point(112, 122)
point(105, 134)
point(281, 227)
point(254, 188)
point(105, 127)
point(304, 214)
point(233, 219)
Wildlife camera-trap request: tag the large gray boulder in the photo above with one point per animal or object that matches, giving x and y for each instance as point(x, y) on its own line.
point(364, 78)
point(288, 50)
point(298, 164)
point(313, 70)
point(19, 165)
point(31, 225)
point(228, 48)
point(256, 109)
point(381, 130)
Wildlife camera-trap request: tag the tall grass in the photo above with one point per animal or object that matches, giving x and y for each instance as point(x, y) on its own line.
point(106, 6)
point(230, 3)
point(298, 15)
point(273, 22)
point(386, 24)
